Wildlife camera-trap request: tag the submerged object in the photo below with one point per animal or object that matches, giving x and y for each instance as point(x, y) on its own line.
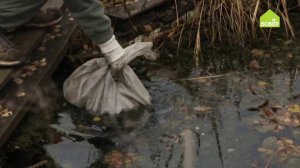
point(190, 148)
point(69, 154)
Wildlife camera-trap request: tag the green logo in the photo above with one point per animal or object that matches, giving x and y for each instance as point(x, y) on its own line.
point(269, 20)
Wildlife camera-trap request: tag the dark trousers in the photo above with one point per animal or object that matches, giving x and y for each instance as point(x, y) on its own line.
point(89, 15)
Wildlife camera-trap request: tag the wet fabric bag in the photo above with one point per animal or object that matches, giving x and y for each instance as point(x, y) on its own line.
point(93, 86)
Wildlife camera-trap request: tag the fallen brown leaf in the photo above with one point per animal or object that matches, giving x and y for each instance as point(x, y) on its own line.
point(148, 28)
point(18, 81)
point(5, 113)
point(42, 48)
point(258, 52)
point(30, 68)
point(262, 84)
point(20, 94)
point(202, 109)
point(254, 65)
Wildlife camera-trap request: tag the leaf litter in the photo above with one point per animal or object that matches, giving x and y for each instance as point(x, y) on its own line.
point(20, 94)
point(276, 118)
point(5, 112)
point(28, 70)
point(281, 149)
point(117, 159)
point(18, 81)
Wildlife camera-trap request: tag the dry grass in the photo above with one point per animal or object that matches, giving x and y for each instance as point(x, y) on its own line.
point(235, 20)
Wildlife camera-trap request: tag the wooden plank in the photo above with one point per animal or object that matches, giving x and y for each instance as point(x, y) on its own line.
point(26, 40)
point(135, 8)
point(55, 51)
point(163, 14)
point(4, 73)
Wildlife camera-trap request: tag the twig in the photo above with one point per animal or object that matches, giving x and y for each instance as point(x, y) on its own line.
point(179, 40)
point(268, 161)
point(39, 164)
point(144, 4)
point(129, 15)
point(161, 44)
point(204, 77)
point(177, 15)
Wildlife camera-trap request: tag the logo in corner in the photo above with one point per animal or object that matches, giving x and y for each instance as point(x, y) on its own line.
point(269, 20)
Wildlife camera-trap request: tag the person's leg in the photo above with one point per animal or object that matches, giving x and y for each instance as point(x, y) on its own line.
point(90, 16)
point(45, 18)
point(18, 12)
point(15, 13)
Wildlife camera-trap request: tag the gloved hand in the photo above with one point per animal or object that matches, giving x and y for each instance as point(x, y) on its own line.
point(117, 57)
point(114, 53)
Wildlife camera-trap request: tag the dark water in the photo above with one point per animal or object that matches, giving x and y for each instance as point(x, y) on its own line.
point(227, 137)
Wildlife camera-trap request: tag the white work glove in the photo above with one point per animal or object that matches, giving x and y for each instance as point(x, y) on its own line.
point(113, 53)
point(117, 57)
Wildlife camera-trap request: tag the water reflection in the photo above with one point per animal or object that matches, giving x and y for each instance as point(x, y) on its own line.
point(74, 151)
point(226, 138)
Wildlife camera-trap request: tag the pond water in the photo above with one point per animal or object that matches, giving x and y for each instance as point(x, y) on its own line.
point(218, 111)
point(243, 118)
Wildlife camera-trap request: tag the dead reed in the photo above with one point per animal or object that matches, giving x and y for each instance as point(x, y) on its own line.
point(235, 21)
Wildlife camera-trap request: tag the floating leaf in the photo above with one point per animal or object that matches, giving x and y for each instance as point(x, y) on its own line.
point(262, 84)
point(295, 108)
point(290, 55)
point(281, 148)
point(96, 119)
point(148, 28)
point(202, 108)
point(262, 105)
point(276, 118)
point(268, 112)
point(42, 48)
point(117, 159)
point(254, 65)
point(231, 150)
point(258, 52)
point(296, 134)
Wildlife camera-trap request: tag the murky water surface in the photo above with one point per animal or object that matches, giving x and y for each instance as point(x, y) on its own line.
point(224, 114)
point(245, 119)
